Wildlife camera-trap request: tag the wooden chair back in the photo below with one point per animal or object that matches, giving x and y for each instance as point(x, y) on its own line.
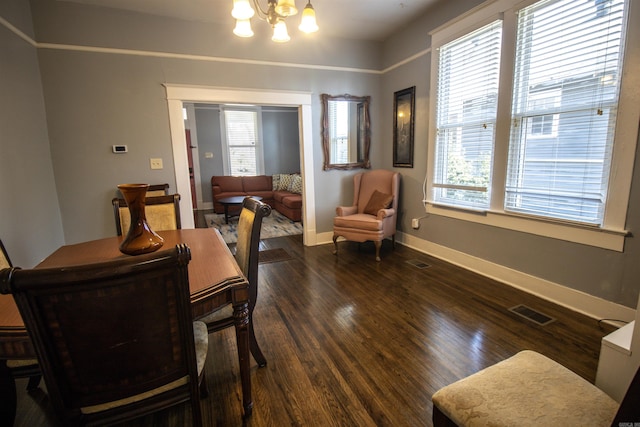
point(162, 213)
point(114, 339)
point(248, 243)
point(155, 190)
point(20, 368)
point(5, 262)
point(247, 256)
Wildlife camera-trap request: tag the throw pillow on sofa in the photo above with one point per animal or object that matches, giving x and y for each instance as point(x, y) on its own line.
point(296, 184)
point(285, 181)
point(275, 179)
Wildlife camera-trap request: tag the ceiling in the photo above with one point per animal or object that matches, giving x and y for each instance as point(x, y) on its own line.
point(373, 20)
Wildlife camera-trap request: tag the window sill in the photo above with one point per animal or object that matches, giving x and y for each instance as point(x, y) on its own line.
point(582, 234)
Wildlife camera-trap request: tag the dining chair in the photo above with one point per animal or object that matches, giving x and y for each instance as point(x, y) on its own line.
point(115, 339)
point(155, 190)
point(19, 368)
point(247, 253)
point(162, 213)
point(374, 212)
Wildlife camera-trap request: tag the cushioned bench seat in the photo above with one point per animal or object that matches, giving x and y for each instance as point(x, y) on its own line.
point(527, 389)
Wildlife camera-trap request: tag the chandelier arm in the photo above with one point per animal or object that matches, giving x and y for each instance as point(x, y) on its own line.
point(261, 13)
point(267, 15)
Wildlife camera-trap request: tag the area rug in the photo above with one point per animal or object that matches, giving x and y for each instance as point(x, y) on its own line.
point(275, 225)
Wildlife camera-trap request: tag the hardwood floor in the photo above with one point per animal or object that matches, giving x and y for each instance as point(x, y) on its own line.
point(352, 342)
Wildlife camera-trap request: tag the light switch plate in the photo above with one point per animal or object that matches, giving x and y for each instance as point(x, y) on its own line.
point(156, 163)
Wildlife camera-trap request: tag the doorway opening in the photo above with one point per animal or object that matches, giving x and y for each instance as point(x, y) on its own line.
point(177, 95)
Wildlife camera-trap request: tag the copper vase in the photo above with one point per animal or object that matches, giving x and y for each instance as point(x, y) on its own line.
point(140, 239)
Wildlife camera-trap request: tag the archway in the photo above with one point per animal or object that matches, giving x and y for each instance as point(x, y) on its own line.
point(178, 94)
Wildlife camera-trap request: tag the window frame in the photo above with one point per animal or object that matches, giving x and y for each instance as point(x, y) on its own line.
point(611, 234)
point(258, 146)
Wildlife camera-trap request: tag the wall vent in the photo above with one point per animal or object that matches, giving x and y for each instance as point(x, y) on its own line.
point(418, 264)
point(531, 314)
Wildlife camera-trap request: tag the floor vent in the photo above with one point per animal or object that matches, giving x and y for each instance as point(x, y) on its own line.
point(418, 264)
point(531, 314)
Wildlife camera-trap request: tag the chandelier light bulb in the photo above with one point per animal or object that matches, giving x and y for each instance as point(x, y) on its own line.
point(308, 22)
point(242, 10)
point(243, 28)
point(286, 8)
point(280, 33)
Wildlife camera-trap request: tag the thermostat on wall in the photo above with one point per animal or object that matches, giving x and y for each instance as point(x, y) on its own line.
point(119, 149)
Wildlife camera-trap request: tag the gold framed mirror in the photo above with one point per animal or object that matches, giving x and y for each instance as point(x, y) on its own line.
point(346, 131)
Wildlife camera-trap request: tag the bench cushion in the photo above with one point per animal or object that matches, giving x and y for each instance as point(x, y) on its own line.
point(525, 390)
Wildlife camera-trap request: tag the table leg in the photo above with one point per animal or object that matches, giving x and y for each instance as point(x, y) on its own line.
point(7, 395)
point(226, 213)
point(241, 322)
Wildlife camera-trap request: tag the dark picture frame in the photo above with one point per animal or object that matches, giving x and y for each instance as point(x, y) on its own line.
point(403, 126)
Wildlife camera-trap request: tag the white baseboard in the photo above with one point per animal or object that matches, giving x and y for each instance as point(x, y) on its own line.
point(324, 238)
point(205, 206)
point(581, 302)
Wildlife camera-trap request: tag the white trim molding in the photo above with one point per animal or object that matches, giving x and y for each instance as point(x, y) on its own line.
point(177, 94)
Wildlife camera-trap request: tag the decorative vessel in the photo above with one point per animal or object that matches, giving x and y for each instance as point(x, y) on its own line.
point(140, 239)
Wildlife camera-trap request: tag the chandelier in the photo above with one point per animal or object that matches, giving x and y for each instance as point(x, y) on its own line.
point(277, 11)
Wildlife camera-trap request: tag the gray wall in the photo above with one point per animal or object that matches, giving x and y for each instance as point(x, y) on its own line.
point(97, 99)
point(30, 223)
point(281, 139)
point(209, 141)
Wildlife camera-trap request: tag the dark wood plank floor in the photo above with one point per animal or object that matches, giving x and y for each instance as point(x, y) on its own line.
point(352, 342)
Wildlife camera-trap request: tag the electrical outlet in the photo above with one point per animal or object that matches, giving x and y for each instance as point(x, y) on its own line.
point(415, 223)
point(156, 163)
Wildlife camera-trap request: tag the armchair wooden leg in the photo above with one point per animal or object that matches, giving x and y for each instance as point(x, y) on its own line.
point(378, 244)
point(335, 244)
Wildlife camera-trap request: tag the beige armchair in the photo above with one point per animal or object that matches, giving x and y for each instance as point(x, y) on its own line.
point(374, 211)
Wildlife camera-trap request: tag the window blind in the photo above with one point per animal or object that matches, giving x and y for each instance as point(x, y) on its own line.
point(566, 84)
point(466, 106)
point(241, 130)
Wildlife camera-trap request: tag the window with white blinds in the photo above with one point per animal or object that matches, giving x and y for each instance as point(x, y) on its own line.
point(467, 99)
point(242, 141)
point(565, 97)
point(533, 123)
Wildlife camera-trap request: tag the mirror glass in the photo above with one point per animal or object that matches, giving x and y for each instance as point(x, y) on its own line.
point(346, 134)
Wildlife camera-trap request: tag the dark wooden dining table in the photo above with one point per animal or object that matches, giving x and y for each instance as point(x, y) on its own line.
point(215, 279)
